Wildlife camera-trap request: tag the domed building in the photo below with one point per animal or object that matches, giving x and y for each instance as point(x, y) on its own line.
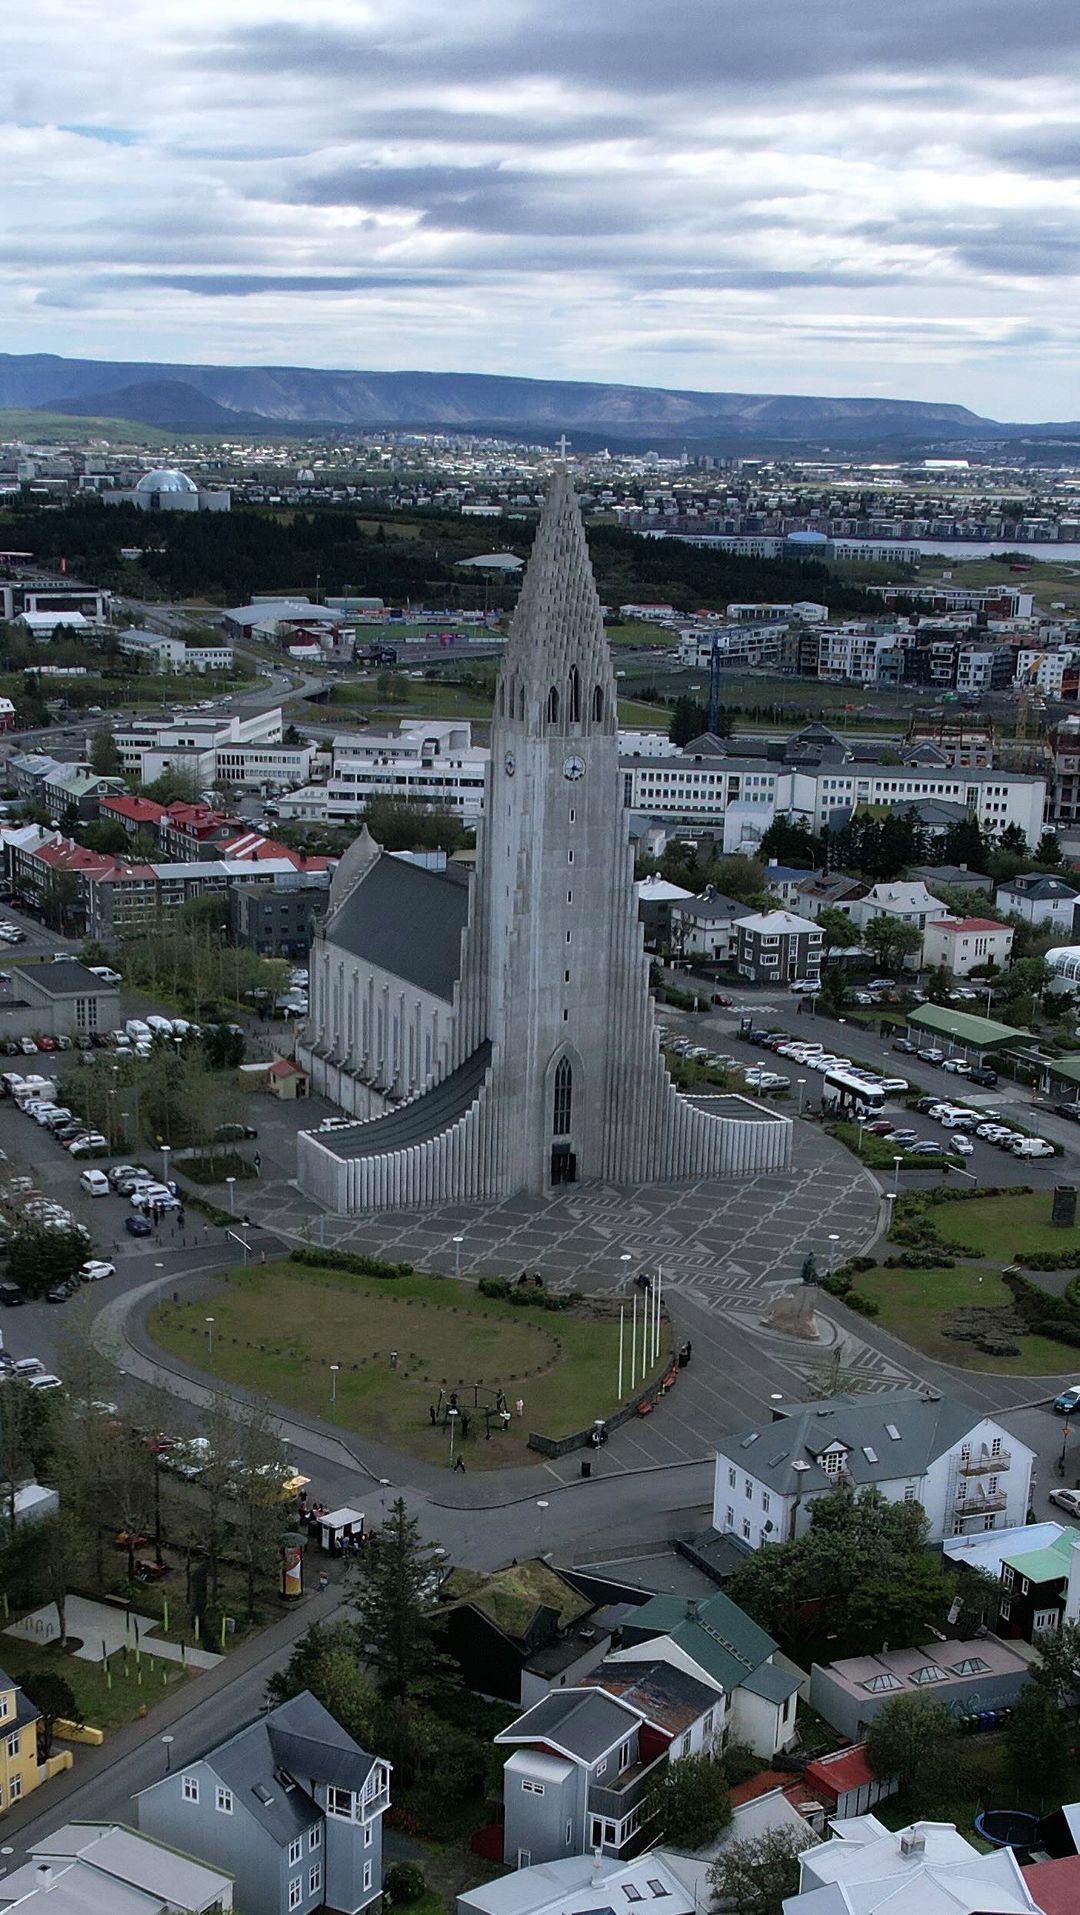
point(167, 489)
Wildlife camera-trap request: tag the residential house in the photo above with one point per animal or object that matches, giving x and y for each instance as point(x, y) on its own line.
point(1038, 1569)
point(928, 1867)
point(705, 926)
point(777, 948)
point(827, 891)
point(564, 1886)
point(784, 881)
point(656, 897)
point(715, 1642)
point(522, 1631)
point(964, 944)
point(20, 1770)
point(954, 877)
point(964, 1468)
point(74, 791)
point(972, 1678)
point(105, 1868)
point(277, 919)
point(1054, 1885)
point(910, 903)
point(845, 1783)
point(291, 1806)
point(1040, 899)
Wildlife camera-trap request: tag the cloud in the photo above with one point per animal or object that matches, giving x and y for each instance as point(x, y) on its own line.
point(812, 195)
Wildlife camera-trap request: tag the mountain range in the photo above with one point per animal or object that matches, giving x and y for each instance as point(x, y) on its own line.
point(224, 399)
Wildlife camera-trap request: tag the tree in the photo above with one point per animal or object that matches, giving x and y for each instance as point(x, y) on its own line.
point(836, 928)
point(105, 756)
point(325, 1661)
point(1036, 1734)
point(891, 939)
point(57, 1702)
point(756, 1876)
point(1013, 840)
point(691, 1801)
point(689, 718)
point(395, 1600)
point(834, 989)
point(39, 1256)
point(180, 782)
point(256, 1479)
point(791, 842)
point(62, 903)
point(407, 824)
point(908, 1738)
point(41, 1561)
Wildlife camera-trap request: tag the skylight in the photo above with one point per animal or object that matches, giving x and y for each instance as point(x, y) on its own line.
point(971, 1666)
point(891, 1430)
point(870, 1455)
point(749, 1441)
point(880, 1685)
point(930, 1672)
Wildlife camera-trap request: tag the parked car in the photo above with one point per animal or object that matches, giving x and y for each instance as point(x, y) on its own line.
point(905, 1137)
point(95, 1270)
point(137, 1227)
point(719, 997)
point(926, 1149)
point(1032, 1147)
point(1066, 1499)
point(905, 1044)
point(962, 1146)
point(881, 1127)
point(931, 1056)
point(983, 1076)
point(47, 1381)
point(93, 1144)
point(959, 1065)
point(12, 1294)
point(1069, 1400)
point(94, 1182)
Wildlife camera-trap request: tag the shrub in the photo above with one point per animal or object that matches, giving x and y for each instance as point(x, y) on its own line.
point(866, 1306)
point(405, 1882)
point(838, 1284)
point(357, 1264)
point(494, 1287)
point(920, 1260)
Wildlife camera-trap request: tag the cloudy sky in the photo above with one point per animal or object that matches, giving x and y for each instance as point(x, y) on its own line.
point(823, 196)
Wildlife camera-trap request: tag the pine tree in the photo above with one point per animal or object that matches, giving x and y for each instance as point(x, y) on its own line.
point(395, 1601)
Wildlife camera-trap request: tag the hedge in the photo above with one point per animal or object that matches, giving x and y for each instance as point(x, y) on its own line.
point(353, 1261)
point(1044, 1315)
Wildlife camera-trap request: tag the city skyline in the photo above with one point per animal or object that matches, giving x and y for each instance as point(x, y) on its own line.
point(824, 200)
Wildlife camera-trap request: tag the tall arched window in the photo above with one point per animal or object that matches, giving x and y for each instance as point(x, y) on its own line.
point(598, 703)
point(521, 702)
point(553, 706)
point(575, 695)
point(502, 696)
point(560, 1120)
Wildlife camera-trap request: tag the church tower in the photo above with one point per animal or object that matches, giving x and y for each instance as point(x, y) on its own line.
point(559, 977)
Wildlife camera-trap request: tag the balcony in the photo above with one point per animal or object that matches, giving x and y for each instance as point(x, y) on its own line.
point(982, 1463)
point(968, 1504)
point(628, 1789)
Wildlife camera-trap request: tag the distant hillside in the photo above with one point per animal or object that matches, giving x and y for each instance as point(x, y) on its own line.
point(39, 427)
point(223, 398)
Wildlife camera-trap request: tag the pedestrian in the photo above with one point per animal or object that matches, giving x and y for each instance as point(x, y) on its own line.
point(180, 1216)
point(464, 1426)
point(520, 1406)
point(453, 1400)
point(459, 1462)
point(257, 1161)
point(431, 1413)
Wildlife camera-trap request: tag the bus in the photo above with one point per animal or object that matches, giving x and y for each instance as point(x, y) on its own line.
point(852, 1095)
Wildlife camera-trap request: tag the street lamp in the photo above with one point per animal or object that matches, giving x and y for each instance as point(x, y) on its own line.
point(165, 1153)
point(626, 1260)
point(897, 1161)
point(457, 1243)
point(452, 1417)
point(801, 1084)
point(334, 1368)
point(210, 1338)
point(834, 1239)
point(860, 1122)
point(890, 1199)
point(167, 1741)
point(231, 1183)
point(542, 1505)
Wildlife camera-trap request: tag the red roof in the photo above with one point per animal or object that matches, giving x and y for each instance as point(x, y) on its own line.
point(762, 1784)
point(969, 924)
point(1055, 1886)
point(139, 810)
point(836, 1774)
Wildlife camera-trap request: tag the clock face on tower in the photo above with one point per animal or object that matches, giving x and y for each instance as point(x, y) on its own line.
point(573, 768)
point(509, 764)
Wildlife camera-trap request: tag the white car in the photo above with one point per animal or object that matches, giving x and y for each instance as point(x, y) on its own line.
point(1032, 1147)
point(163, 1025)
point(45, 1382)
point(144, 1200)
point(190, 1458)
point(958, 1065)
point(95, 1270)
point(963, 1146)
point(895, 1084)
point(89, 1145)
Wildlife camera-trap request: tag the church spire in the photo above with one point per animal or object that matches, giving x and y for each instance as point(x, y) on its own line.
point(557, 667)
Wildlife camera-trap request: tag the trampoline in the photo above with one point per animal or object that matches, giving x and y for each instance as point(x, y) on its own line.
point(1008, 1828)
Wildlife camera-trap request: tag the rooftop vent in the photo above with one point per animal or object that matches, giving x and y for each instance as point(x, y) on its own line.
point(912, 1842)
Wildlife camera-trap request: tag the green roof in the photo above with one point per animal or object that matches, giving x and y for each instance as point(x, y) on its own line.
point(1067, 1067)
point(511, 1597)
point(983, 1032)
point(720, 1637)
point(1044, 1565)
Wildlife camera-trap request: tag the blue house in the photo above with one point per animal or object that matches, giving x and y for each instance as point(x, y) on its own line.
point(291, 1806)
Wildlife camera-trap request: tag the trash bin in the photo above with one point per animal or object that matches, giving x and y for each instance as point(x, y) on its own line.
point(586, 1466)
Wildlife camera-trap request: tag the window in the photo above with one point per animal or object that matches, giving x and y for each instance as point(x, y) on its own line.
point(632, 1893)
point(1006, 1610)
point(531, 1788)
point(223, 1800)
point(995, 1446)
point(657, 1888)
point(339, 1802)
point(552, 712)
point(314, 1840)
point(597, 703)
point(367, 1874)
point(575, 694)
point(314, 1878)
point(524, 1858)
point(367, 1835)
point(626, 1755)
point(569, 1833)
point(746, 1529)
point(730, 1517)
point(707, 1725)
point(686, 1741)
point(600, 1767)
point(191, 1788)
point(731, 1479)
point(563, 1098)
point(15, 1788)
point(5, 1707)
point(13, 1744)
point(765, 1501)
point(296, 1891)
point(296, 1849)
point(748, 1488)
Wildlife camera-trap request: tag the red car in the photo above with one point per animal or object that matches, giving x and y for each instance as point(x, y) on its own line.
point(725, 1002)
point(46, 1044)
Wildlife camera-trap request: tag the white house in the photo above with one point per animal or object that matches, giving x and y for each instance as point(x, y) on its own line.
point(910, 903)
point(1040, 899)
point(929, 1867)
point(914, 1446)
point(432, 759)
point(706, 926)
point(962, 944)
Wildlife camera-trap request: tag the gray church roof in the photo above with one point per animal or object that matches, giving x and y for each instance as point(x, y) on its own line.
point(420, 1119)
point(406, 920)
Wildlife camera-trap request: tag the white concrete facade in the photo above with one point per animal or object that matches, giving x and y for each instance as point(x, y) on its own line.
point(963, 944)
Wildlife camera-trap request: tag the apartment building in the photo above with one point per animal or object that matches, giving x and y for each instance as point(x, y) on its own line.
point(1041, 899)
point(217, 750)
point(965, 944)
point(175, 654)
point(432, 760)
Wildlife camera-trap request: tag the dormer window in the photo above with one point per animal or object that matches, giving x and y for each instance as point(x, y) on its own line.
point(833, 1461)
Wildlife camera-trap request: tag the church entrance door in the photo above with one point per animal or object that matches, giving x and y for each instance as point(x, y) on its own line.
point(563, 1165)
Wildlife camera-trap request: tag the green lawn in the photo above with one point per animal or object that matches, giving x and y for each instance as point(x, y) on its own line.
point(999, 1227)
point(911, 1304)
point(278, 1328)
point(422, 697)
point(101, 1707)
point(877, 1153)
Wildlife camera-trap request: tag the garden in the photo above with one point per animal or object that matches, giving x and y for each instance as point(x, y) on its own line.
point(383, 1354)
point(983, 1279)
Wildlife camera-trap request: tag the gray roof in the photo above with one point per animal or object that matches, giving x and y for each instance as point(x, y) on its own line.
point(770, 1682)
point(715, 910)
point(1037, 884)
point(926, 1425)
point(422, 1117)
point(308, 1741)
point(67, 979)
point(584, 1723)
point(668, 1697)
point(406, 920)
point(954, 874)
point(121, 1854)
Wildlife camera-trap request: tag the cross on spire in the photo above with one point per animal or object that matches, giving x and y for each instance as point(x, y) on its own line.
point(562, 446)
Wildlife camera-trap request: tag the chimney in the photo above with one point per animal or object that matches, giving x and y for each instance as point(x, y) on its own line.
point(913, 1841)
point(43, 1877)
point(598, 1868)
point(691, 1608)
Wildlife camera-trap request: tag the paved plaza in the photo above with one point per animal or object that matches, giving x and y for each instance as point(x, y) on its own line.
point(101, 1629)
